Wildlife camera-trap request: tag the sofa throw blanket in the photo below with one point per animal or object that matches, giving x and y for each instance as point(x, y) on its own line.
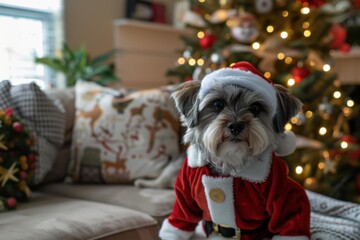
point(333, 219)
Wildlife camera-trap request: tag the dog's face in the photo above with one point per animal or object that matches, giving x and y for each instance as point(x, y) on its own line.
point(231, 125)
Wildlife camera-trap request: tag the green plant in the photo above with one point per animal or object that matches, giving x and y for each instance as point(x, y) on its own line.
point(76, 64)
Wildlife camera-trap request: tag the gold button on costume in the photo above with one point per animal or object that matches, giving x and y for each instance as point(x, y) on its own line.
point(217, 195)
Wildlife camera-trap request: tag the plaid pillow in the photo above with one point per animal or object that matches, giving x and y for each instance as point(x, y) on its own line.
point(5, 94)
point(44, 118)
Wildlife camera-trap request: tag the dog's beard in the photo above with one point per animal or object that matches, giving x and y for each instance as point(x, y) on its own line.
point(235, 153)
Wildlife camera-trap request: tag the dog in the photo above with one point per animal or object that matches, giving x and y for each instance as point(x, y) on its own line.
point(233, 182)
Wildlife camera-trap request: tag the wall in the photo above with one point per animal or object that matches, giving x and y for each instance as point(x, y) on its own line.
point(89, 23)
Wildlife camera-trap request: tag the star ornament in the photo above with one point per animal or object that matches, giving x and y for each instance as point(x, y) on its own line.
point(330, 166)
point(2, 144)
point(8, 174)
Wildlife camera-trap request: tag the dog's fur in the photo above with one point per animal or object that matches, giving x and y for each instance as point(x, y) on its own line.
point(231, 126)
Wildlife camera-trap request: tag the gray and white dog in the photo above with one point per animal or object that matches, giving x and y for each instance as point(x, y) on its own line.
point(232, 178)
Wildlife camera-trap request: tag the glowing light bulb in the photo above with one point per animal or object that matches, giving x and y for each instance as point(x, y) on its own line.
point(291, 82)
point(285, 13)
point(201, 1)
point(350, 103)
point(306, 25)
point(200, 34)
point(267, 74)
point(284, 34)
point(308, 114)
point(288, 126)
point(255, 45)
point(305, 10)
point(181, 60)
point(337, 94)
point(200, 62)
point(281, 56)
point(288, 60)
point(307, 33)
point(270, 29)
point(299, 170)
point(321, 165)
point(326, 67)
point(293, 120)
point(344, 145)
point(322, 131)
point(192, 62)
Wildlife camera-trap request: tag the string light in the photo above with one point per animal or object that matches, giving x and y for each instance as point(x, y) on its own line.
point(326, 67)
point(288, 126)
point(322, 131)
point(200, 34)
point(306, 25)
point(308, 114)
point(284, 34)
point(344, 145)
point(299, 170)
point(293, 120)
point(285, 13)
point(201, 1)
point(291, 82)
point(321, 165)
point(288, 60)
point(192, 62)
point(281, 56)
point(181, 60)
point(267, 74)
point(350, 103)
point(337, 94)
point(270, 29)
point(200, 62)
point(305, 10)
point(307, 33)
point(255, 45)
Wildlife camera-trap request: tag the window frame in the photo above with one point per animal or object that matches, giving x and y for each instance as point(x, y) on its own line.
point(47, 19)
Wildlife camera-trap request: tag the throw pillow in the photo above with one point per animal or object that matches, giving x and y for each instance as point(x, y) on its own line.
point(118, 138)
point(44, 118)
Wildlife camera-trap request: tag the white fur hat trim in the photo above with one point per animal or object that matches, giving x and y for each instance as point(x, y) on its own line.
point(243, 78)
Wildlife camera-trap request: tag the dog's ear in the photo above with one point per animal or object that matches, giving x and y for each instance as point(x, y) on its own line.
point(187, 102)
point(287, 107)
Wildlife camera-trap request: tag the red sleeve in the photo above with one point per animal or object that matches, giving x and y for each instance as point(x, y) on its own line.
point(186, 213)
point(287, 203)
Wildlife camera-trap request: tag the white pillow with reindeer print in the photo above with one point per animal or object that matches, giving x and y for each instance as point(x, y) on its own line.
point(119, 137)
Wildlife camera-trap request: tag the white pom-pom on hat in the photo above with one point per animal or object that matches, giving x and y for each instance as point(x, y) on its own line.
point(286, 143)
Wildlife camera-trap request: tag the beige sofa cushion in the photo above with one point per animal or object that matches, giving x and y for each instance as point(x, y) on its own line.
point(48, 217)
point(155, 202)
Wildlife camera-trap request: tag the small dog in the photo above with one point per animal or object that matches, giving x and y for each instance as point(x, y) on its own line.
point(232, 180)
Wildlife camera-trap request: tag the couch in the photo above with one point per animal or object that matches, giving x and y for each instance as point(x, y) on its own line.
point(62, 210)
point(59, 210)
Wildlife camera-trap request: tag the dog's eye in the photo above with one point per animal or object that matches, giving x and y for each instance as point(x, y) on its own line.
point(255, 109)
point(218, 105)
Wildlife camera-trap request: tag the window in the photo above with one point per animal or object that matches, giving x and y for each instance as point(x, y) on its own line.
point(26, 31)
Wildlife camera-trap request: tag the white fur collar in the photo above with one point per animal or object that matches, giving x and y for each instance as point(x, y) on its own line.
point(257, 171)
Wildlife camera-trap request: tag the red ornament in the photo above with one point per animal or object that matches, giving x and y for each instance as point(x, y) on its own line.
point(18, 127)
point(312, 3)
point(207, 41)
point(357, 4)
point(338, 35)
point(299, 73)
point(31, 158)
point(8, 112)
point(23, 175)
point(349, 139)
point(11, 202)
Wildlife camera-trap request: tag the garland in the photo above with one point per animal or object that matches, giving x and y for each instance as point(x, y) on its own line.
point(17, 161)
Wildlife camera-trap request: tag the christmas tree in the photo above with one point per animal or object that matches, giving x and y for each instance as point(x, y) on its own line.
point(290, 42)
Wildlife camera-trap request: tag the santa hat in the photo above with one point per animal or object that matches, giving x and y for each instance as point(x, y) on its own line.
point(246, 75)
point(241, 74)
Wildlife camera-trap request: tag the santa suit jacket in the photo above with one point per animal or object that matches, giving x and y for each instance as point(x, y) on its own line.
point(239, 202)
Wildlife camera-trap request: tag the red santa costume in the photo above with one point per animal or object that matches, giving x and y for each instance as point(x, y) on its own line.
point(259, 202)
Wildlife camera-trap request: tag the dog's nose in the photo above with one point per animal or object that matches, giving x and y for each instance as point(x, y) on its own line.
point(236, 127)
